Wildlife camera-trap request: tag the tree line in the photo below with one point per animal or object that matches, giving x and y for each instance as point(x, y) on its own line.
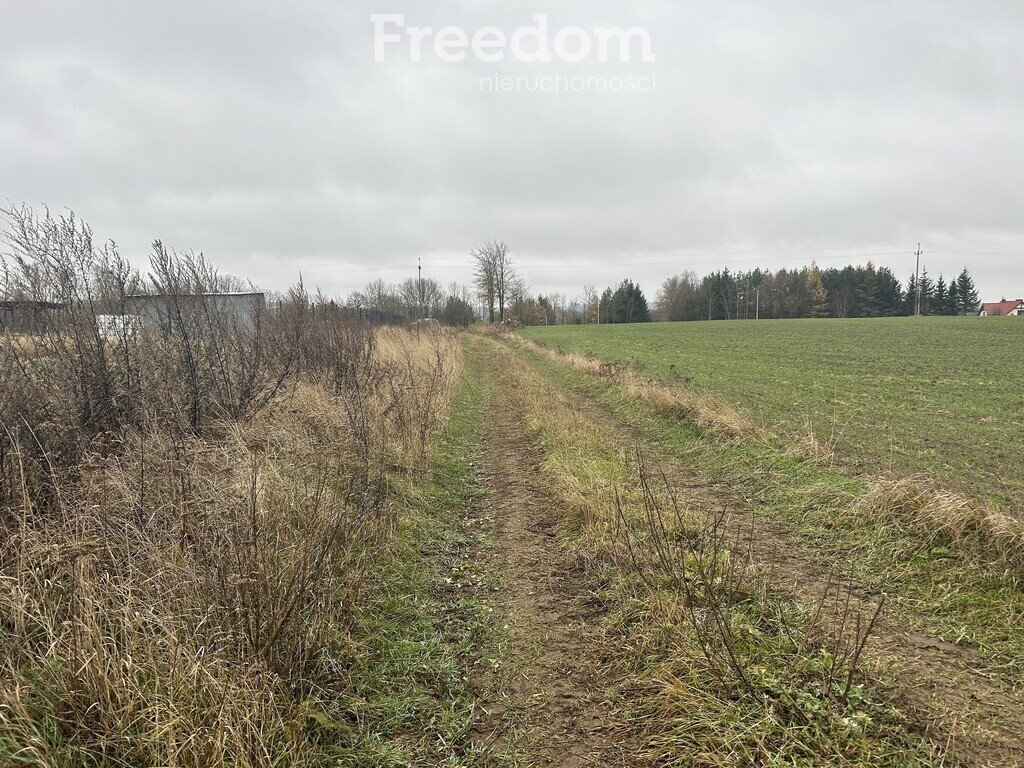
point(850, 291)
point(500, 294)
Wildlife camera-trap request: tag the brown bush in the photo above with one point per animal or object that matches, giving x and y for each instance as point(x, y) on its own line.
point(188, 517)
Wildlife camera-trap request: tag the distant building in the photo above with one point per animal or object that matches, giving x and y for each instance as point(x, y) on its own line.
point(29, 316)
point(216, 311)
point(120, 327)
point(1004, 307)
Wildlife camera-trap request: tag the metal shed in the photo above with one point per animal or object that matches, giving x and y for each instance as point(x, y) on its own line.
point(216, 311)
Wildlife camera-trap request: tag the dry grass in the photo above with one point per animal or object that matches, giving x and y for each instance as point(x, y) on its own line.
point(938, 516)
point(26, 342)
point(708, 412)
point(185, 599)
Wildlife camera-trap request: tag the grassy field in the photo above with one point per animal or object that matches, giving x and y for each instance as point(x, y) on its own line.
point(936, 395)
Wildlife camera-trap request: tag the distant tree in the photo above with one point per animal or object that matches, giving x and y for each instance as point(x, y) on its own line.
point(841, 285)
point(606, 306)
point(940, 298)
point(421, 296)
point(867, 291)
point(927, 291)
point(910, 296)
point(495, 276)
point(629, 304)
point(456, 309)
point(819, 296)
point(967, 295)
point(590, 304)
point(888, 292)
point(382, 297)
point(676, 297)
point(953, 298)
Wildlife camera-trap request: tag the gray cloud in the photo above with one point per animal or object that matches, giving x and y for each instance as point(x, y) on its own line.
point(265, 135)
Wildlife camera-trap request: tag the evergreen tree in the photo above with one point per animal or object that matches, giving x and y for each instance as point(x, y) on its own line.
point(953, 299)
point(968, 294)
point(940, 298)
point(867, 291)
point(888, 292)
point(927, 289)
point(630, 304)
point(819, 296)
point(606, 307)
point(910, 297)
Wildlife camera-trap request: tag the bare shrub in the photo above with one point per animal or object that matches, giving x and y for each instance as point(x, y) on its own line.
point(227, 367)
point(186, 522)
point(734, 619)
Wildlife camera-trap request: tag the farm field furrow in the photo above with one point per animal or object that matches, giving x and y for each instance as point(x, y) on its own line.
point(941, 396)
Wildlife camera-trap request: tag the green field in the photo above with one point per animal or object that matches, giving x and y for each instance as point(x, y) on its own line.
point(938, 395)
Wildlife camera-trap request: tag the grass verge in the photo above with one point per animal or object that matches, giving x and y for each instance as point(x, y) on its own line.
point(424, 632)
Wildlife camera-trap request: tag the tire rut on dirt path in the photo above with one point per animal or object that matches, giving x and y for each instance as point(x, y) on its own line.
point(553, 700)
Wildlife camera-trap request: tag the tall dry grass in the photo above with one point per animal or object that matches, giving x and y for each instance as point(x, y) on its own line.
point(189, 518)
point(937, 516)
point(705, 410)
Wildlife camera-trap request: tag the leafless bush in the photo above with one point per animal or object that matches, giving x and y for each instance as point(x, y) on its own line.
point(68, 388)
point(735, 619)
point(186, 520)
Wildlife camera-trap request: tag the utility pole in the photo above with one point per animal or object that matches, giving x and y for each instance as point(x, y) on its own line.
point(757, 305)
point(917, 282)
point(419, 283)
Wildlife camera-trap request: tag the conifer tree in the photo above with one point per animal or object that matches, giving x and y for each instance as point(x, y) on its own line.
point(968, 294)
point(953, 299)
point(910, 297)
point(940, 298)
point(816, 288)
point(927, 289)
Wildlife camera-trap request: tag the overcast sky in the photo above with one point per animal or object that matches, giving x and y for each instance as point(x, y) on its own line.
point(268, 137)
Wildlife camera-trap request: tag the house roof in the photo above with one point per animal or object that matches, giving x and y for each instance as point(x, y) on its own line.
point(1001, 307)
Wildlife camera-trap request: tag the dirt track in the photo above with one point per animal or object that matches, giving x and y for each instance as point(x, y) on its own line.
point(552, 696)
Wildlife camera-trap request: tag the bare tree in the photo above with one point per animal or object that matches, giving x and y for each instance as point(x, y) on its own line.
point(421, 296)
point(483, 278)
point(495, 276)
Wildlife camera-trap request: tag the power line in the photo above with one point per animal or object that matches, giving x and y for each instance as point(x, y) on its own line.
point(581, 263)
point(619, 256)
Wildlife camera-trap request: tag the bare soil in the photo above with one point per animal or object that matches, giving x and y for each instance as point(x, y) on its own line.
point(550, 697)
